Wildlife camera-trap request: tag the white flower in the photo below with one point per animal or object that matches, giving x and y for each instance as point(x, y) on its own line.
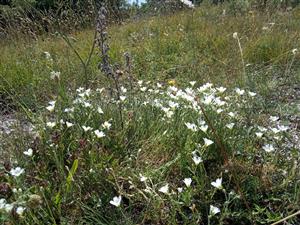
point(106, 125)
point(192, 83)
point(16, 171)
point(123, 89)
point(268, 148)
point(48, 55)
point(217, 184)
point(197, 159)
point(51, 124)
point(87, 104)
point(208, 100)
point(240, 91)
point(29, 152)
point(294, 51)
point(232, 114)
point(213, 210)
point(188, 3)
point(204, 128)
point(230, 125)
point(122, 98)
point(275, 130)
point(143, 178)
point(191, 126)
point(259, 134)
point(262, 129)
point(67, 110)
point(180, 189)
point(252, 94)
point(173, 105)
point(235, 35)
point(283, 128)
point(86, 128)
point(207, 142)
point(164, 189)
point(69, 124)
point(274, 118)
point(221, 89)
point(51, 106)
point(54, 75)
point(99, 110)
point(219, 111)
point(20, 210)
point(187, 181)
point(8, 207)
point(2, 203)
point(116, 201)
point(99, 134)
point(143, 89)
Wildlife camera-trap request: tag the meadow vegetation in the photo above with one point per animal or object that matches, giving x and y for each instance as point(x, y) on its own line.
point(202, 129)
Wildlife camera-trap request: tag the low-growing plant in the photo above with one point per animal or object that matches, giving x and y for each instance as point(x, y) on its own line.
point(185, 155)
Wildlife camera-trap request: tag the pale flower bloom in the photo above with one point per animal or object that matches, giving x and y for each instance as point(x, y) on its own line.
point(20, 210)
point(197, 159)
point(99, 134)
point(274, 118)
point(16, 171)
point(262, 129)
point(232, 114)
point(191, 126)
point(87, 104)
point(204, 128)
point(235, 35)
point(268, 148)
point(86, 128)
point(230, 125)
point(8, 207)
point(2, 203)
point(283, 128)
point(188, 3)
point(164, 189)
point(207, 142)
point(259, 134)
point(294, 51)
point(116, 201)
point(51, 106)
point(122, 98)
point(213, 210)
point(69, 124)
point(123, 89)
point(54, 75)
point(217, 184)
point(29, 152)
point(48, 55)
point(192, 83)
point(143, 178)
point(252, 94)
point(143, 89)
point(240, 91)
point(99, 110)
point(219, 111)
point(106, 125)
point(275, 130)
point(180, 189)
point(221, 89)
point(51, 124)
point(187, 181)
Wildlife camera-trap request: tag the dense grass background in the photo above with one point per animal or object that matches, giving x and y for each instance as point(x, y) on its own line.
point(194, 45)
